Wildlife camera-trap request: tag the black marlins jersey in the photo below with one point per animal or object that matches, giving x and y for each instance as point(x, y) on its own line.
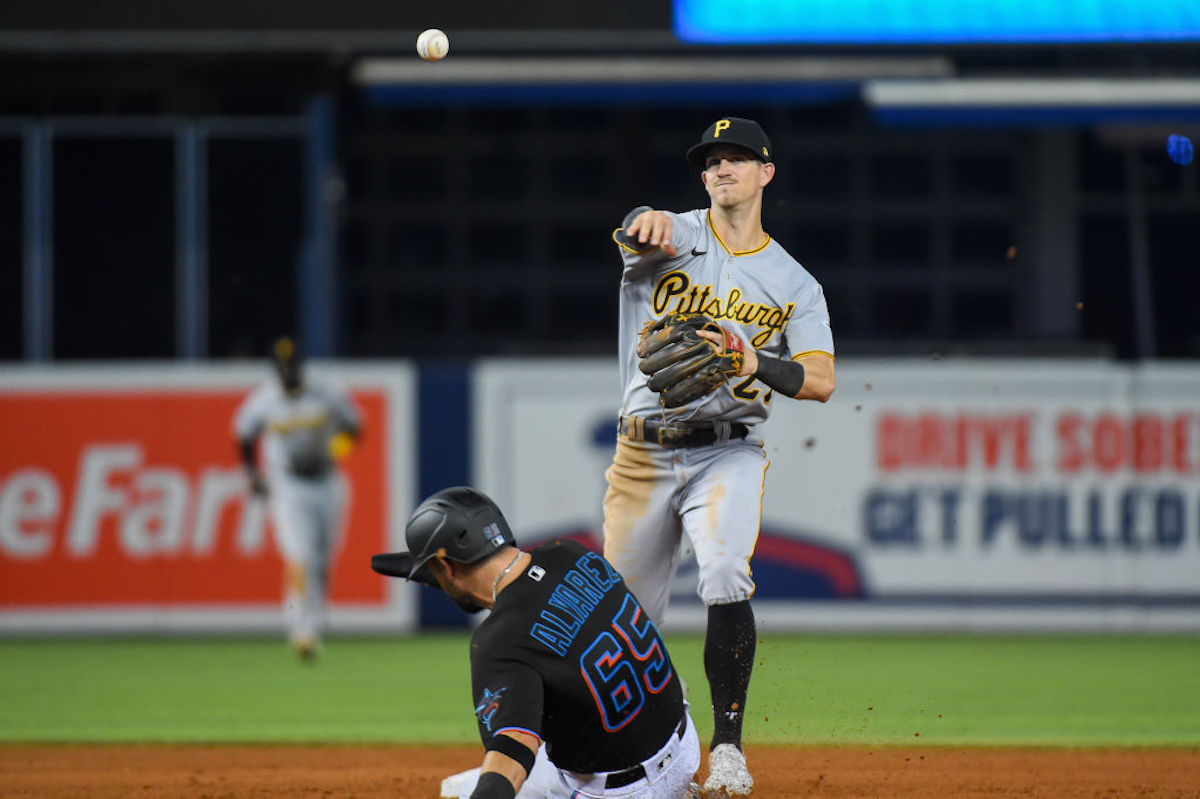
point(569, 655)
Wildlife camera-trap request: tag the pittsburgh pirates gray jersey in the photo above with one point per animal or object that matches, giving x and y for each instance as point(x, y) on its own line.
point(763, 295)
point(296, 428)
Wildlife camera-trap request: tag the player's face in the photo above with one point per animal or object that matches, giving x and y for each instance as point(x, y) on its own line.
point(733, 176)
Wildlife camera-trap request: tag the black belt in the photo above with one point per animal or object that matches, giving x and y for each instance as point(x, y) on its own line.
point(309, 470)
point(618, 779)
point(676, 434)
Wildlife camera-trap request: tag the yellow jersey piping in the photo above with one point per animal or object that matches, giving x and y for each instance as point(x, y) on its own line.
point(625, 246)
point(762, 489)
point(717, 235)
point(800, 355)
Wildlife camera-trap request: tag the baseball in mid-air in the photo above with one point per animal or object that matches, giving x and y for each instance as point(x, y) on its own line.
point(432, 45)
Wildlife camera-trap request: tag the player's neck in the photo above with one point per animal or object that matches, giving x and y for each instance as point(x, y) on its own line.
point(739, 227)
point(504, 576)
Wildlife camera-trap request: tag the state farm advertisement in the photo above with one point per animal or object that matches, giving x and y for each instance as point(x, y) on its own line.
point(134, 497)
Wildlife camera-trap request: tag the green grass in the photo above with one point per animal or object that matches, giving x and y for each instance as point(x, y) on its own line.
point(404, 690)
point(867, 690)
point(950, 690)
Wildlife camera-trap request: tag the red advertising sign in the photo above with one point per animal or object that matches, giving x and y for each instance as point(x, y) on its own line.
point(135, 497)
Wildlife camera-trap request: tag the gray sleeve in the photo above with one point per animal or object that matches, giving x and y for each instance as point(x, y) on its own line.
point(809, 329)
point(251, 416)
point(684, 235)
point(619, 234)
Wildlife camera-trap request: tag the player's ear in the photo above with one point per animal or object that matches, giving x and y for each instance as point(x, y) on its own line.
point(768, 172)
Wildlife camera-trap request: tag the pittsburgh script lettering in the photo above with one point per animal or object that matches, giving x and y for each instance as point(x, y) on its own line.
point(677, 288)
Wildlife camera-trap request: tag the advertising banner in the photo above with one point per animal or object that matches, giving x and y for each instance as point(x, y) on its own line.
point(123, 502)
point(1060, 483)
point(927, 493)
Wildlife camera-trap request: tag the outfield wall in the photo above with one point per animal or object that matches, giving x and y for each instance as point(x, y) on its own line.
point(928, 494)
point(123, 505)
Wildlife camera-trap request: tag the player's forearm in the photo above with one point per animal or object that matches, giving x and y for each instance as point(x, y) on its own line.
point(493, 785)
point(506, 769)
point(248, 453)
point(811, 377)
point(820, 378)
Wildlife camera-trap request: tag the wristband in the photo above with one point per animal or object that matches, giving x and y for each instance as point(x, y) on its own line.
point(518, 751)
point(786, 377)
point(493, 785)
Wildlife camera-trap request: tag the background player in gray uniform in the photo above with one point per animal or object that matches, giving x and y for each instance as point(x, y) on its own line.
point(699, 468)
point(575, 694)
point(303, 427)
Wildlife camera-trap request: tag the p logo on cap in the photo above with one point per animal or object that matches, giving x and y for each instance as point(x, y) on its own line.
point(731, 131)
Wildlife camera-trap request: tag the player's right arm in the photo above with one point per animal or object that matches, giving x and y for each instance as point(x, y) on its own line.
point(650, 236)
point(509, 695)
point(248, 425)
point(247, 448)
point(645, 229)
point(508, 760)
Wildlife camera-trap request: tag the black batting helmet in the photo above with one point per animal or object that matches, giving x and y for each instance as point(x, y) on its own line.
point(458, 523)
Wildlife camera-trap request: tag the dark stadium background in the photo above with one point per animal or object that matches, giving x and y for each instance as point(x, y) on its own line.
point(465, 229)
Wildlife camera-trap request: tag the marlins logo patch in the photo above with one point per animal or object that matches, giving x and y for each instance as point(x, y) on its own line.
point(489, 703)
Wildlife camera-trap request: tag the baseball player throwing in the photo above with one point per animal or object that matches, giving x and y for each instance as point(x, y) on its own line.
point(304, 427)
point(575, 694)
point(692, 464)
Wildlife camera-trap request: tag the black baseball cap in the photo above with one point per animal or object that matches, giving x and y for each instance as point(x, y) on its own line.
point(284, 350)
point(458, 523)
point(286, 357)
point(731, 130)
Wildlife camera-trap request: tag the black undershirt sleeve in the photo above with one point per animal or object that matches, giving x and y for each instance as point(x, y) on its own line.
point(786, 377)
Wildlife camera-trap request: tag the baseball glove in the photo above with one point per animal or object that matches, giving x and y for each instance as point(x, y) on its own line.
point(683, 365)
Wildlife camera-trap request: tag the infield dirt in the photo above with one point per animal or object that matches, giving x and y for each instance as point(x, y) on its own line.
point(404, 772)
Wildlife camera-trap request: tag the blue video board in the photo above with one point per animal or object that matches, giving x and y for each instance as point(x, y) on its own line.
point(934, 21)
